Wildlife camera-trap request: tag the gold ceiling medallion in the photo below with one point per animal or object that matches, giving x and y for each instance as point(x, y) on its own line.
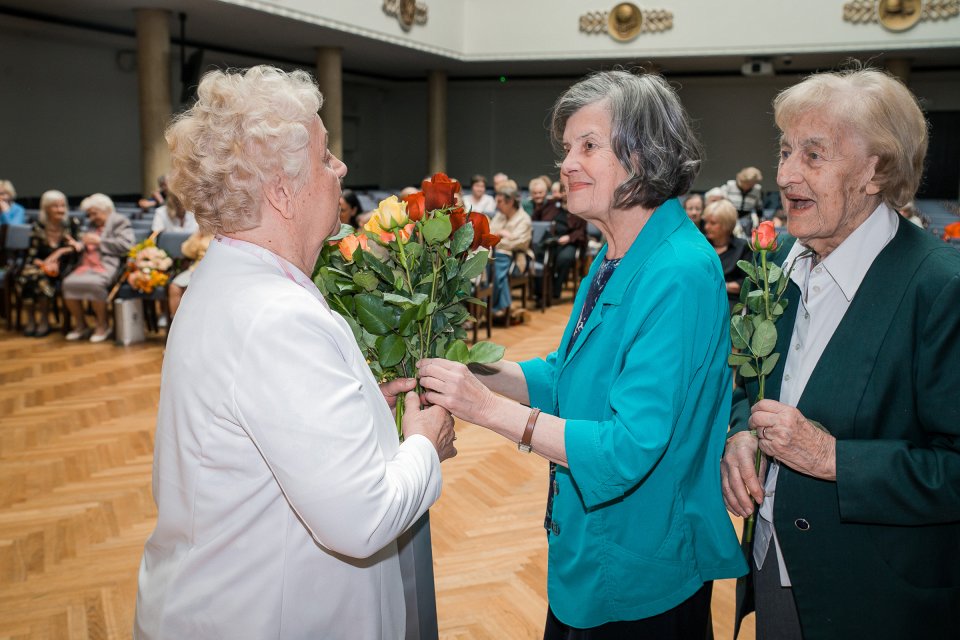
point(626, 21)
point(899, 15)
point(408, 12)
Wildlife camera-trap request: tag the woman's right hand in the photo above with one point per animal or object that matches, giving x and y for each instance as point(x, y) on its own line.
point(434, 423)
point(452, 386)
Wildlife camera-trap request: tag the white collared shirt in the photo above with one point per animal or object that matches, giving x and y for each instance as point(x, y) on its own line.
point(827, 290)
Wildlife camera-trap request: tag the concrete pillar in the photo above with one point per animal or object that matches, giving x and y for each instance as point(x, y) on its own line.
point(437, 121)
point(899, 67)
point(153, 69)
point(330, 81)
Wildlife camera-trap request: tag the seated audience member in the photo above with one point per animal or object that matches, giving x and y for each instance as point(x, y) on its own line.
point(910, 212)
point(172, 216)
point(478, 199)
point(714, 195)
point(10, 211)
point(498, 179)
point(513, 226)
point(693, 205)
point(719, 220)
point(539, 188)
point(157, 198)
point(746, 194)
point(557, 192)
point(569, 233)
point(53, 249)
point(193, 249)
point(103, 249)
point(350, 208)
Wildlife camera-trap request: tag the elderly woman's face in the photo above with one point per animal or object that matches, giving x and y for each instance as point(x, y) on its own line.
point(538, 191)
point(478, 189)
point(56, 210)
point(505, 205)
point(715, 230)
point(320, 195)
point(97, 216)
point(590, 169)
point(826, 178)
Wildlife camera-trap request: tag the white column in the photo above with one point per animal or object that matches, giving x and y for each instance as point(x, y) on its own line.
point(153, 74)
point(437, 121)
point(330, 80)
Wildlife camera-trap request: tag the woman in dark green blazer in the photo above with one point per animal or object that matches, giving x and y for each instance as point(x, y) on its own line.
point(635, 399)
point(866, 514)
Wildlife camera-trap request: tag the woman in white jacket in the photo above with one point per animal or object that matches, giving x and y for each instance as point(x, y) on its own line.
point(278, 476)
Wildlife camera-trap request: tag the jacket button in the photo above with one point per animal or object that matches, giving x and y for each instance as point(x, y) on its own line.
point(802, 524)
point(555, 528)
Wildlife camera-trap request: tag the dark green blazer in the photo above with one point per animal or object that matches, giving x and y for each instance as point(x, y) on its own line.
point(876, 554)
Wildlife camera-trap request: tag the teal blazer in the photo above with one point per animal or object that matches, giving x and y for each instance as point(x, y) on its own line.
point(645, 391)
point(876, 554)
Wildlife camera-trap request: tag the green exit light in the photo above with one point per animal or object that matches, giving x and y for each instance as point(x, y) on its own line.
point(503, 78)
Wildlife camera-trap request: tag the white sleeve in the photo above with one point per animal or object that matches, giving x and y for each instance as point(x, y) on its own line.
point(309, 416)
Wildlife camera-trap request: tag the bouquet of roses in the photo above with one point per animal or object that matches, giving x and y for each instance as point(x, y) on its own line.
point(147, 266)
point(402, 282)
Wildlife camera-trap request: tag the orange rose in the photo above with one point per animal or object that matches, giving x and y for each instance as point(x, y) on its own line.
point(415, 205)
point(348, 245)
point(764, 237)
point(439, 192)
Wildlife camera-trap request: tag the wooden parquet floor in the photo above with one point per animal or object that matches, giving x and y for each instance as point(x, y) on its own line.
point(76, 446)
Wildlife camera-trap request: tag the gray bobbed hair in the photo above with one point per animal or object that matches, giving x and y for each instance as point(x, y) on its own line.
point(650, 131)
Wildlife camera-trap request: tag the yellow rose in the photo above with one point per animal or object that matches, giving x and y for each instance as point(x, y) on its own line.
point(391, 214)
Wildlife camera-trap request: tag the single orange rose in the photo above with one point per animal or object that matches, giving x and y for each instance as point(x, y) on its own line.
point(439, 192)
point(415, 205)
point(348, 247)
point(764, 237)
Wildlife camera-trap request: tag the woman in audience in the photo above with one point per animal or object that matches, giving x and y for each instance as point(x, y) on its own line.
point(719, 221)
point(53, 248)
point(172, 216)
point(539, 187)
point(279, 479)
point(10, 211)
point(103, 248)
point(157, 198)
point(633, 400)
point(350, 208)
point(693, 205)
point(569, 234)
point(513, 226)
point(193, 249)
point(478, 199)
point(746, 194)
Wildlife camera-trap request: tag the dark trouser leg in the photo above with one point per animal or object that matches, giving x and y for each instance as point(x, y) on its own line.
point(566, 256)
point(776, 611)
point(689, 620)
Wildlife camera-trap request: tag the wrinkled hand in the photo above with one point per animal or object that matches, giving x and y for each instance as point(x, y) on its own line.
point(434, 423)
point(452, 386)
point(77, 245)
point(738, 474)
point(393, 388)
point(90, 238)
point(786, 435)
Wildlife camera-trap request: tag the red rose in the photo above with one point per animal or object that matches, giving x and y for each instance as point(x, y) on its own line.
point(481, 232)
point(764, 237)
point(415, 205)
point(439, 192)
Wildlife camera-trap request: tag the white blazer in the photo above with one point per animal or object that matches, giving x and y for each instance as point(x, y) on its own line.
point(277, 474)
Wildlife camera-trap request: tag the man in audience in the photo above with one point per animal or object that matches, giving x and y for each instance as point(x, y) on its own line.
point(859, 516)
point(498, 179)
point(746, 194)
point(693, 205)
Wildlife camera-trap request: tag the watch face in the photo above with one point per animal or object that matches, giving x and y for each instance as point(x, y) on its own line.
point(899, 15)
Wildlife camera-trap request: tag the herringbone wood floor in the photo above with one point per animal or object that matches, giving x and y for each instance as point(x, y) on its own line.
point(76, 440)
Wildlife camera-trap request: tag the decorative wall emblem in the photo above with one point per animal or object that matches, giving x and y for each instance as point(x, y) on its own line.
point(626, 21)
point(408, 12)
point(899, 15)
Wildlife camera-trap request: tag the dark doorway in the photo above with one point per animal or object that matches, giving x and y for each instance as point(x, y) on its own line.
point(941, 180)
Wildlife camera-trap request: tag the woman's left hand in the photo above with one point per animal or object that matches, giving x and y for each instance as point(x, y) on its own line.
point(452, 386)
point(393, 388)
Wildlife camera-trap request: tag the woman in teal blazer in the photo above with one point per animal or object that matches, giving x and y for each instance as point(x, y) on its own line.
point(635, 399)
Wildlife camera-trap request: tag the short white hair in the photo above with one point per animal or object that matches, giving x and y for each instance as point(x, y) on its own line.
point(47, 199)
point(97, 201)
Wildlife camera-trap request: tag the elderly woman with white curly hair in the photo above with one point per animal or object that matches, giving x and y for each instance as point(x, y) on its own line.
point(280, 483)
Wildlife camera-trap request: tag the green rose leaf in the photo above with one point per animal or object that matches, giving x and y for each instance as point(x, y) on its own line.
point(737, 309)
point(474, 265)
point(344, 231)
point(739, 333)
point(437, 229)
point(738, 359)
point(392, 349)
point(764, 339)
point(408, 321)
point(774, 273)
point(747, 371)
point(485, 353)
point(462, 238)
point(755, 300)
point(366, 280)
point(457, 352)
point(770, 363)
point(386, 273)
point(374, 316)
point(748, 269)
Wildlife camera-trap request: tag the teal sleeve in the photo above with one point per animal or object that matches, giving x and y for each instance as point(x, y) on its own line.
point(539, 374)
